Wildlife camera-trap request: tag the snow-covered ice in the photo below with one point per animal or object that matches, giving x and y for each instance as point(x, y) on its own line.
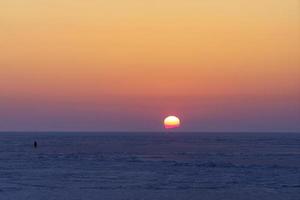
point(150, 166)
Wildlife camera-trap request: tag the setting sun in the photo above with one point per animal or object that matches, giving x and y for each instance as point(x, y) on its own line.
point(171, 122)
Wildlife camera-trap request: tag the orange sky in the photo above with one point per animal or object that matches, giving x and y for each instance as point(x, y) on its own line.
point(171, 53)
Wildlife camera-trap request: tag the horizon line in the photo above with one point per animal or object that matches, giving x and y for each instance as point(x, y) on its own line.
point(67, 131)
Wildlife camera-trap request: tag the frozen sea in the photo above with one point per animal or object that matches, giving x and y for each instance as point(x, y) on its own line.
point(150, 166)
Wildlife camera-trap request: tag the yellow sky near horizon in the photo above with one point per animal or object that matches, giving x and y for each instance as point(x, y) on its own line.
point(87, 49)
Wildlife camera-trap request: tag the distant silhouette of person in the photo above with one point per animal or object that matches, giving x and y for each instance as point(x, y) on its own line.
point(35, 144)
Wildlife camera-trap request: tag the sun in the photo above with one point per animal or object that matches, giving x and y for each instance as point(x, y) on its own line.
point(171, 122)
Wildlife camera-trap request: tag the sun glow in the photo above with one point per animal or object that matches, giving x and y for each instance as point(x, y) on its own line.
point(171, 122)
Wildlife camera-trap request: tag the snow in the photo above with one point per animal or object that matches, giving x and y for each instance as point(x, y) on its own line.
point(127, 166)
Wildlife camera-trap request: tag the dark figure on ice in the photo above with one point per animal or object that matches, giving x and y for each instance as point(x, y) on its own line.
point(35, 144)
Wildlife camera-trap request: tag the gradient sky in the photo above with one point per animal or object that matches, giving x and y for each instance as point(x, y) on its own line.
point(116, 65)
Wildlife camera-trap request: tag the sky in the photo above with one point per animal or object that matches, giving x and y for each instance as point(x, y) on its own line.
point(124, 65)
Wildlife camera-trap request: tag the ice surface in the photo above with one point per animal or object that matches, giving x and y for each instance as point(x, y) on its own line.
point(127, 166)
